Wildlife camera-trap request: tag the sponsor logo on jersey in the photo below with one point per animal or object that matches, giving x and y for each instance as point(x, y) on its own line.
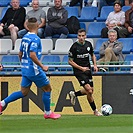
point(83, 55)
point(88, 48)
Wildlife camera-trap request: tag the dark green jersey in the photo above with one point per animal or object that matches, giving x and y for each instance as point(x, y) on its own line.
point(80, 53)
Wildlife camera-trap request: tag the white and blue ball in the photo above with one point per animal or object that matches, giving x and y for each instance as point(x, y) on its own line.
point(106, 110)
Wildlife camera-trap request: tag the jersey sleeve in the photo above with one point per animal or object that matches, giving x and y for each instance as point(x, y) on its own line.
point(21, 48)
point(34, 46)
point(70, 53)
point(91, 49)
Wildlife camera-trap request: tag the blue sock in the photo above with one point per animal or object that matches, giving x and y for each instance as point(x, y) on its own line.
point(14, 96)
point(46, 100)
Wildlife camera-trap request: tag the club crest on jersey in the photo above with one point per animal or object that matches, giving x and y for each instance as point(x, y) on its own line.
point(88, 48)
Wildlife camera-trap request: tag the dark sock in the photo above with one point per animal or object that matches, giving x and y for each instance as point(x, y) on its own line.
point(93, 106)
point(78, 93)
point(13, 47)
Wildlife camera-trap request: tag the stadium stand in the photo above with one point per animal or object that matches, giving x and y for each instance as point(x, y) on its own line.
point(72, 11)
point(65, 62)
point(24, 3)
point(98, 45)
point(47, 45)
point(90, 40)
point(62, 46)
point(16, 48)
point(94, 29)
point(3, 11)
point(51, 60)
point(127, 61)
point(58, 55)
point(125, 8)
point(65, 2)
point(105, 10)
point(28, 8)
point(12, 61)
point(88, 14)
point(5, 46)
point(4, 3)
point(45, 3)
point(127, 45)
point(45, 8)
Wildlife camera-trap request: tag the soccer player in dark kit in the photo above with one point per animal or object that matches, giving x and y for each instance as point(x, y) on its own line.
point(79, 54)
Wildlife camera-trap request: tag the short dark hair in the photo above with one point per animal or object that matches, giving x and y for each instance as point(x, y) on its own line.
point(130, 1)
point(81, 30)
point(32, 23)
point(118, 2)
point(32, 20)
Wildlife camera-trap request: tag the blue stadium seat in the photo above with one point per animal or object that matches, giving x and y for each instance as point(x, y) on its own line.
point(88, 14)
point(65, 62)
point(24, 2)
point(4, 3)
point(3, 12)
point(127, 45)
point(94, 29)
point(10, 60)
point(128, 58)
point(99, 44)
point(105, 10)
point(51, 60)
point(82, 25)
point(72, 11)
point(127, 61)
point(131, 49)
point(125, 8)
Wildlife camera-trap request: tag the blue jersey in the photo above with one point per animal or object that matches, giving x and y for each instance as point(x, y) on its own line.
point(30, 43)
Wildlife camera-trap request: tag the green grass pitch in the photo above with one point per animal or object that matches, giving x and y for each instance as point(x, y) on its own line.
point(66, 124)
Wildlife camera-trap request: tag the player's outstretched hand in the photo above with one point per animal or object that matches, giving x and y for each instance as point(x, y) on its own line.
point(45, 68)
point(1, 67)
point(95, 69)
point(85, 69)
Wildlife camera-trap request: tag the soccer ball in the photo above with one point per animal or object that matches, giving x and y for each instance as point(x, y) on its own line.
point(106, 110)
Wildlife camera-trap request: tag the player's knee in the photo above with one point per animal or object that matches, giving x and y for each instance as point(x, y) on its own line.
point(25, 93)
point(90, 91)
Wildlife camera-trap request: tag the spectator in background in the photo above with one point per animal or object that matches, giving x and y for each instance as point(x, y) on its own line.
point(127, 2)
point(110, 50)
point(40, 16)
point(75, 2)
point(13, 21)
point(1, 67)
point(129, 19)
point(83, 3)
point(57, 17)
point(115, 20)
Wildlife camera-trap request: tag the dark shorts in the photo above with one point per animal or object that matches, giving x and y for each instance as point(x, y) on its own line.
point(84, 78)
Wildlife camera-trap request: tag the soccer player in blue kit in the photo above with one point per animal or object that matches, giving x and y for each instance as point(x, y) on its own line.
point(32, 70)
point(79, 59)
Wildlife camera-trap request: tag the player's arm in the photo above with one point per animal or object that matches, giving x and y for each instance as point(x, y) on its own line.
point(1, 67)
point(36, 61)
point(94, 62)
point(20, 55)
point(75, 65)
